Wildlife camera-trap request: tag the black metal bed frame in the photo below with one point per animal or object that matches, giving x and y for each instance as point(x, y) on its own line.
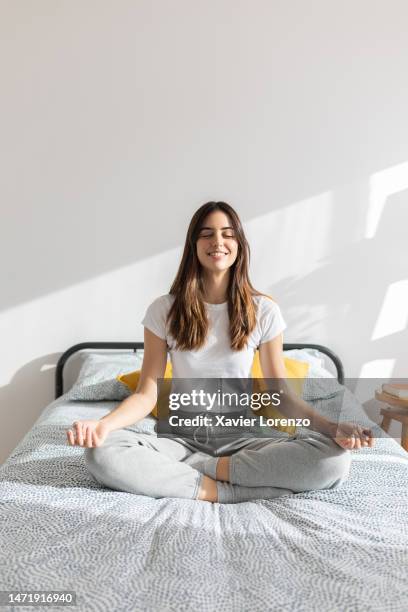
point(59, 379)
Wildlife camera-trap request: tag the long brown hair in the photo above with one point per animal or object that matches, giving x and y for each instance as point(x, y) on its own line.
point(188, 323)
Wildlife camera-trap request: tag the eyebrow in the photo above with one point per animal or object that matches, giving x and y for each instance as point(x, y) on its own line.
point(206, 228)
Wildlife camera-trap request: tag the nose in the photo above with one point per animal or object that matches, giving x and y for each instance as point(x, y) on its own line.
point(218, 242)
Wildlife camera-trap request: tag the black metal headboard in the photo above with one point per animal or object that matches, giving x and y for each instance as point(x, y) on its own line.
point(59, 379)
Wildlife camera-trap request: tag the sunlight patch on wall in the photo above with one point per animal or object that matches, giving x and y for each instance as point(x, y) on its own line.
point(108, 307)
point(381, 186)
point(306, 322)
point(379, 368)
point(289, 242)
point(47, 366)
point(393, 315)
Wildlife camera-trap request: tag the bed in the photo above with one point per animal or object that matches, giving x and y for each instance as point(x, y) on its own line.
point(343, 549)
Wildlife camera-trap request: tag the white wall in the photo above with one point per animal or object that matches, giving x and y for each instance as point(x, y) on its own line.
point(119, 118)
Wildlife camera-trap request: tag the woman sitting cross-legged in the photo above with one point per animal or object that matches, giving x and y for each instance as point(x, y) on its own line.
point(211, 322)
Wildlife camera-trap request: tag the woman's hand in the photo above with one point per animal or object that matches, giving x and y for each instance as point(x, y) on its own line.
point(87, 433)
point(352, 436)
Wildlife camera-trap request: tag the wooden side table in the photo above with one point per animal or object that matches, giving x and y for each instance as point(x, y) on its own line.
point(396, 410)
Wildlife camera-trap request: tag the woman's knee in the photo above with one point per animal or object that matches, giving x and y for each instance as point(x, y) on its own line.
point(98, 459)
point(333, 470)
point(340, 469)
point(329, 463)
point(112, 467)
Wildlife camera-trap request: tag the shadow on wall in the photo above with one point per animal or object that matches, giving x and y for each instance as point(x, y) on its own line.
point(355, 300)
point(28, 393)
point(362, 287)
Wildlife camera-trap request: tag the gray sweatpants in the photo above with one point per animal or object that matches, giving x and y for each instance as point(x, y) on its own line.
point(262, 468)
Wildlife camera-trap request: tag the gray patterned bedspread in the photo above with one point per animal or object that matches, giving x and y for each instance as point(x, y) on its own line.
point(342, 550)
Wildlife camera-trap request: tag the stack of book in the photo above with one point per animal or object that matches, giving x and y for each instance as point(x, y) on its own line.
point(396, 390)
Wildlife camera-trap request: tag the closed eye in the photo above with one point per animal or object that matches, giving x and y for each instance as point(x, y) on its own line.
point(226, 235)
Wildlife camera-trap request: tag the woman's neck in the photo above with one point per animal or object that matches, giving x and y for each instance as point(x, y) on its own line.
point(216, 289)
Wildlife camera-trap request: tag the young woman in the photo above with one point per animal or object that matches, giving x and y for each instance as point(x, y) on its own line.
point(212, 322)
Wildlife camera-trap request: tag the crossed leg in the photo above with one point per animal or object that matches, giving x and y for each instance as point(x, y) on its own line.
point(268, 468)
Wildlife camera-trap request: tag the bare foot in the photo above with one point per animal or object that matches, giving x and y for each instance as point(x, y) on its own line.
point(208, 490)
point(222, 472)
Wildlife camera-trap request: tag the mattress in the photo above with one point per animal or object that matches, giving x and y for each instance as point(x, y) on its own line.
point(340, 549)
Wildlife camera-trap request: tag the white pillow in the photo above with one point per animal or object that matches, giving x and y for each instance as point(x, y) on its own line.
point(315, 359)
point(97, 377)
point(319, 383)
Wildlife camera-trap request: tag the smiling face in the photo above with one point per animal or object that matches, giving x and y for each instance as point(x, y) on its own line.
point(217, 246)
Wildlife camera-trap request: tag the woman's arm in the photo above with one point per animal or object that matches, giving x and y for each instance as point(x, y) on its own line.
point(142, 401)
point(273, 366)
point(135, 407)
point(347, 435)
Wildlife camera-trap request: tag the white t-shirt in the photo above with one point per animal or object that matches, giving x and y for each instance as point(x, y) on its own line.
point(216, 359)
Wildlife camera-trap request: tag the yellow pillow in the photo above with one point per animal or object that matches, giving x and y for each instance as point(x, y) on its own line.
point(131, 380)
point(296, 371)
